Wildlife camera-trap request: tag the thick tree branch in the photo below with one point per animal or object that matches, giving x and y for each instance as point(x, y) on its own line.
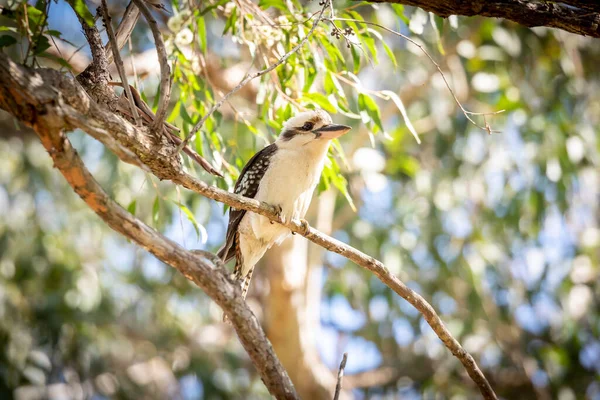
point(96, 76)
point(576, 16)
point(47, 94)
point(42, 108)
point(591, 5)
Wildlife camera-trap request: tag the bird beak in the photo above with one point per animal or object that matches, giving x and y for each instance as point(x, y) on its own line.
point(332, 131)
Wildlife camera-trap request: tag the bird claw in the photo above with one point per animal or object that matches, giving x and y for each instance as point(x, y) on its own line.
point(280, 216)
point(303, 227)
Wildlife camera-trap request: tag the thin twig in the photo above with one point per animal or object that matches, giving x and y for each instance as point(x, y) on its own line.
point(119, 62)
point(251, 77)
point(165, 70)
point(340, 376)
point(465, 111)
point(76, 51)
point(130, 18)
point(133, 67)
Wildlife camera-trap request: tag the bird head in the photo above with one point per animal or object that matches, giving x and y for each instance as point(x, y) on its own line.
point(313, 126)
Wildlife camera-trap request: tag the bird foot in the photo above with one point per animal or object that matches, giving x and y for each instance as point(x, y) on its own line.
point(280, 216)
point(304, 227)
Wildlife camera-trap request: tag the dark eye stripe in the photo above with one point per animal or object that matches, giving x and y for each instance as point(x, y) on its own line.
point(287, 134)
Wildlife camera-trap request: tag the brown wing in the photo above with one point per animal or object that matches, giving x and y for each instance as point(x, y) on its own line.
point(247, 186)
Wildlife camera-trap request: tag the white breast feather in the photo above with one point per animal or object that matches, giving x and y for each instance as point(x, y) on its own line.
point(289, 182)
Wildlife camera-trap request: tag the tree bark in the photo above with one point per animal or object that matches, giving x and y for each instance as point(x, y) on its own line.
point(581, 17)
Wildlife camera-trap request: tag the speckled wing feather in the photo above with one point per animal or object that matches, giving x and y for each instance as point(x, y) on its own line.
point(246, 185)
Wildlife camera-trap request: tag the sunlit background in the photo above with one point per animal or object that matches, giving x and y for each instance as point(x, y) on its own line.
point(498, 230)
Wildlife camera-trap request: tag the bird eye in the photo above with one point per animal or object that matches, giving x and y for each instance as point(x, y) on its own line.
point(307, 126)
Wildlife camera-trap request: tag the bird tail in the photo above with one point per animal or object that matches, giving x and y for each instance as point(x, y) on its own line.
point(237, 272)
point(246, 282)
point(239, 268)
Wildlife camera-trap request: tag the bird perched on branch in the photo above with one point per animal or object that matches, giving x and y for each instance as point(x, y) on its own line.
point(284, 175)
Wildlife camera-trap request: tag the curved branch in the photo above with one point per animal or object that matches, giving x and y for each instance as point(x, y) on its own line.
point(35, 102)
point(577, 16)
point(23, 92)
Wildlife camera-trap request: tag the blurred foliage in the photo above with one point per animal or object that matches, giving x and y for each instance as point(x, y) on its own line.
point(501, 232)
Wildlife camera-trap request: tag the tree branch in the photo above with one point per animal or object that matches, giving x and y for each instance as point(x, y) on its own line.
point(96, 76)
point(340, 376)
point(118, 61)
point(591, 5)
point(581, 17)
point(48, 94)
point(42, 109)
point(130, 18)
point(165, 70)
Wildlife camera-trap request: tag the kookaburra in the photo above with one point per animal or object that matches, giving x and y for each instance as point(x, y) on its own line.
point(284, 175)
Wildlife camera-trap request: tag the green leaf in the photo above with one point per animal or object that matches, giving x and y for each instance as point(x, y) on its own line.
point(396, 99)
point(202, 34)
point(310, 73)
point(366, 103)
point(213, 6)
point(408, 165)
point(132, 207)
point(342, 185)
point(328, 84)
point(59, 60)
point(6, 40)
point(175, 112)
point(34, 17)
point(332, 50)
point(355, 59)
point(321, 100)
point(332, 176)
point(231, 21)
point(390, 53)
point(83, 11)
point(41, 46)
point(264, 4)
point(437, 24)
point(200, 230)
point(155, 210)
point(185, 116)
point(355, 15)
point(156, 98)
point(370, 43)
point(199, 143)
point(54, 33)
point(399, 8)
